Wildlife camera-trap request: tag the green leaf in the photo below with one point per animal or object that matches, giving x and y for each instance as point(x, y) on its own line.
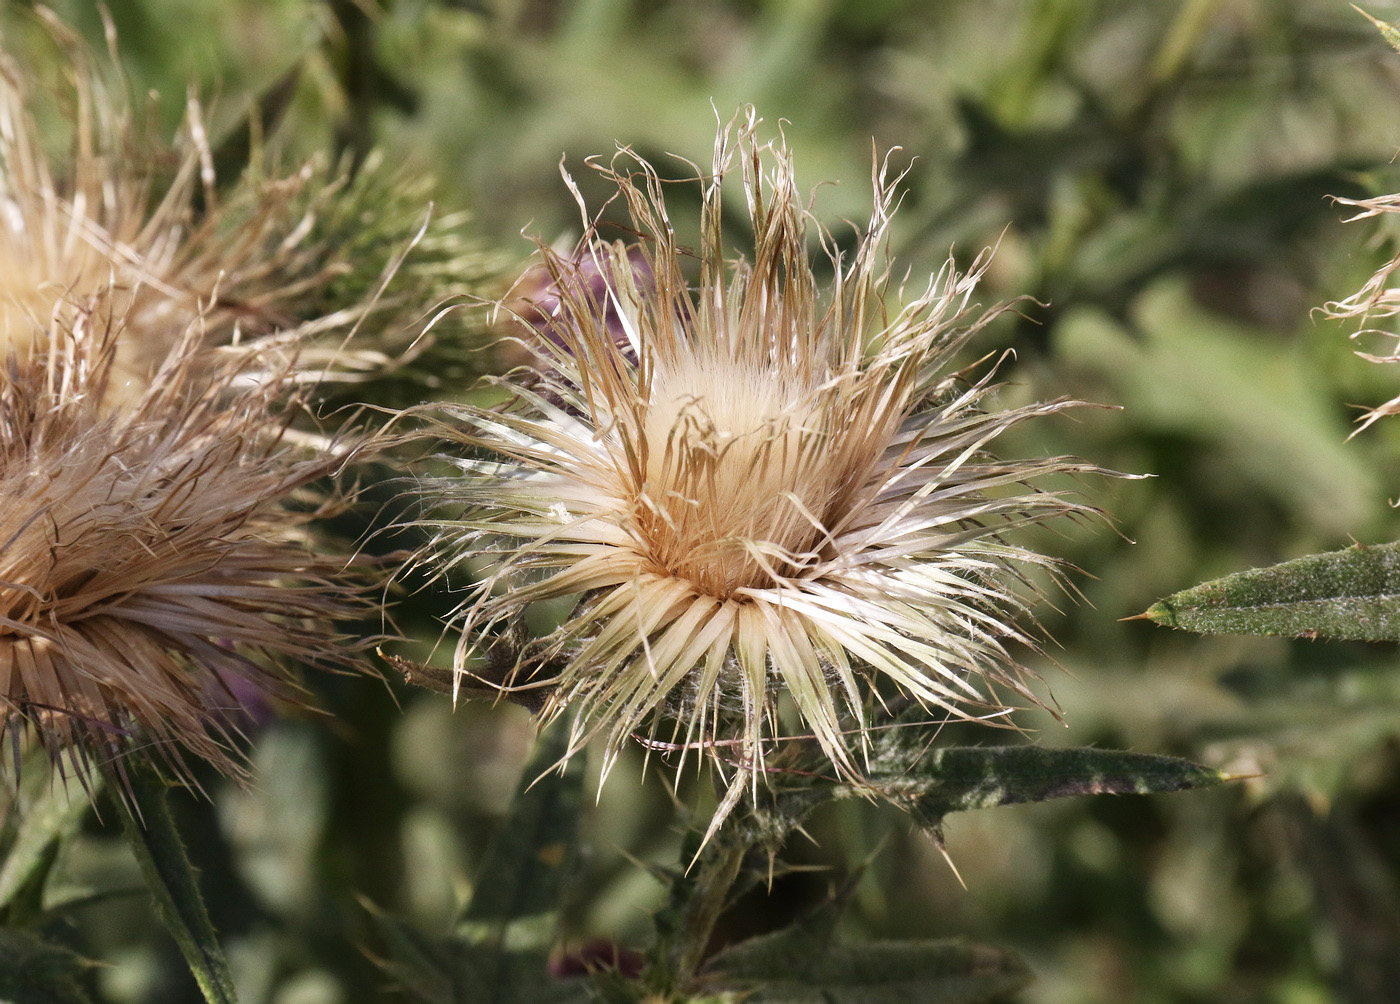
point(33, 971)
point(419, 966)
point(806, 964)
point(929, 783)
point(170, 877)
point(513, 915)
point(932, 783)
point(699, 893)
point(1353, 594)
point(47, 811)
point(959, 778)
point(528, 862)
point(1388, 31)
point(793, 967)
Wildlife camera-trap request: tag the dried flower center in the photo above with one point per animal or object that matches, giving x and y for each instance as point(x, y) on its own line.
point(739, 465)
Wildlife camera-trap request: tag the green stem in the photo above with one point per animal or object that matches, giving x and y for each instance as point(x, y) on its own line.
point(150, 830)
point(711, 889)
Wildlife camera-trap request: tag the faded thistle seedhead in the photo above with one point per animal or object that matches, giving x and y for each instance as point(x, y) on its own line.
point(772, 497)
point(160, 336)
point(151, 564)
point(242, 249)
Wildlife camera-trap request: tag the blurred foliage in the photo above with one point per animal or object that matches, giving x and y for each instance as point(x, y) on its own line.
point(1156, 176)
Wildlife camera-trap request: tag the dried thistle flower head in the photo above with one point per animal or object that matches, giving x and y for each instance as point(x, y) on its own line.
point(773, 499)
point(301, 257)
point(1378, 298)
point(149, 567)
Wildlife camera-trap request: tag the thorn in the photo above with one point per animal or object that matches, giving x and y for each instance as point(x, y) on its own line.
point(943, 849)
point(1144, 616)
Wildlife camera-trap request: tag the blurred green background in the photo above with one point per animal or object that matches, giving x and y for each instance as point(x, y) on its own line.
point(1157, 174)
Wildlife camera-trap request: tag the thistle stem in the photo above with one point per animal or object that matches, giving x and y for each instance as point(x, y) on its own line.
point(712, 888)
point(150, 830)
point(685, 926)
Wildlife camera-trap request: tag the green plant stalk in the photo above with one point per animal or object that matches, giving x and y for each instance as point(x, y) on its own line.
point(716, 878)
point(150, 830)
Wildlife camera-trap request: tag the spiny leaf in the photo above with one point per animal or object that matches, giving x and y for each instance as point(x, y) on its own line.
point(805, 963)
point(1353, 594)
point(170, 877)
point(418, 966)
point(1388, 31)
point(528, 862)
point(932, 783)
point(956, 779)
point(698, 895)
point(33, 971)
point(929, 783)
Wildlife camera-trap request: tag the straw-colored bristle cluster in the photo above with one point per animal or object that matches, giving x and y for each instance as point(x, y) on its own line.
point(300, 256)
point(768, 497)
point(1378, 298)
point(94, 220)
point(148, 569)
